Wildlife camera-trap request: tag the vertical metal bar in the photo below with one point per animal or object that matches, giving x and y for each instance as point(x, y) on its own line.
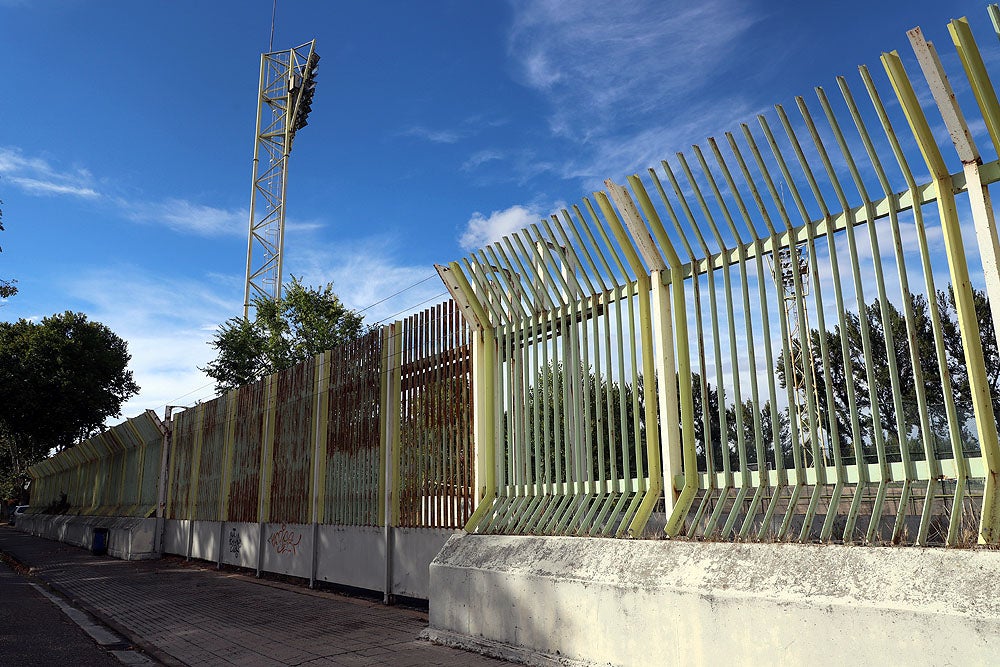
point(833, 441)
point(805, 336)
point(483, 362)
point(763, 478)
point(745, 477)
point(979, 195)
point(986, 425)
point(776, 242)
point(691, 486)
point(913, 344)
point(744, 481)
point(528, 424)
point(727, 475)
point(975, 71)
point(389, 446)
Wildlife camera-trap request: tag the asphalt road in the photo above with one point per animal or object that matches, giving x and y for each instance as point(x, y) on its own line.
point(34, 632)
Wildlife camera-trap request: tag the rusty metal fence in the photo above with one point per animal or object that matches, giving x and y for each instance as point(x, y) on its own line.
point(316, 443)
point(435, 453)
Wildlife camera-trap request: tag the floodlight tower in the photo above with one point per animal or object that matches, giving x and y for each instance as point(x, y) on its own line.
point(787, 262)
point(287, 83)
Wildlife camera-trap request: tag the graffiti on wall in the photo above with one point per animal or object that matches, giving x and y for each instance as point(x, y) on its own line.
point(235, 543)
point(285, 541)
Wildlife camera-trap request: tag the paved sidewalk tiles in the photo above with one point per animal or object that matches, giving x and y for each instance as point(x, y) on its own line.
point(190, 614)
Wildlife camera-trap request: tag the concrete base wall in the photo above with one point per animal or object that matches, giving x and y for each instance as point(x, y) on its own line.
point(645, 602)
point(345, 555)
point(128, 538)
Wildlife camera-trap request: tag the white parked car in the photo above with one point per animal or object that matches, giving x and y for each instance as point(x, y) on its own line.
point(18, 511)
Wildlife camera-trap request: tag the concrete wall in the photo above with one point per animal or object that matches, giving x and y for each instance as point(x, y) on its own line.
point(344, 555)
point(643, 602)
point(129, 538)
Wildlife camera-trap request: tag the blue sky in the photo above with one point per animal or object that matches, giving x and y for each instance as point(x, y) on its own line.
point(127, 137)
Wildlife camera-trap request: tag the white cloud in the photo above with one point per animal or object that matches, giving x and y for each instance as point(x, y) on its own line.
point(36, 176)
point(607, 71)
point(167, 335)
point(600, 62)
point(480, 158)
point(366, 273)
point(434, 136)
point(41, 187)
point(481, 230)
point(186, 216)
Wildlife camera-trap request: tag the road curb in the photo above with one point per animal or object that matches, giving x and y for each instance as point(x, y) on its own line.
point(37, 577)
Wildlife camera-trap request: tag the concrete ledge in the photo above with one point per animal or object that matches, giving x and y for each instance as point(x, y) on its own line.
point(345, 555)
point(501, 650)
point(643, 602)
point(129, 538)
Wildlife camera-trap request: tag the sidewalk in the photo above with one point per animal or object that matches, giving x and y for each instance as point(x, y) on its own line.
point(190, 614)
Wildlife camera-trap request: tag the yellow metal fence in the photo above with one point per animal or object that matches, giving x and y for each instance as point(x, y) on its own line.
point(786, 328)
point(115, 473)
point(788, 332)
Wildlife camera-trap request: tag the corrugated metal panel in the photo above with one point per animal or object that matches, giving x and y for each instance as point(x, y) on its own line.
point(244, 484)
point(152, 454)
point(436, 430)
point(103, 474)
point(182, 444)
point(352, 437)
point(213, 445)
point(114, 475)
point(293, 444)
point(132, 474)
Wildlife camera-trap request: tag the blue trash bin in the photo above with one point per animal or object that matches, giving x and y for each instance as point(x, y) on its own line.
point(99, 546)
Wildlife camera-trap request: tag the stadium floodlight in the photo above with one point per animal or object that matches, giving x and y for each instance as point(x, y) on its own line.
point(287, 86)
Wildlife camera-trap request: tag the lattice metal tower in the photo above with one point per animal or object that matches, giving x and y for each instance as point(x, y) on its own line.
point(287, 83)
point(784, 266)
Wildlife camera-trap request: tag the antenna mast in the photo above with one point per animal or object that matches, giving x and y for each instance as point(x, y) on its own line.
point(287, 83)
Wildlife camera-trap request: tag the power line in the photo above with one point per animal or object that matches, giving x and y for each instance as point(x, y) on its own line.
point(380, 301)
point(436, 296)
point(419, 282)
point(174, 400)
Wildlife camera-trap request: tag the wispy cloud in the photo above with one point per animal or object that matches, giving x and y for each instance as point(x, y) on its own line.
point(639, 57)
point(463, 129)
point(167, 336)
point(186, 216)
point(37, 176)
point(607, 71)
point(437, 136)
point(480, 158)
point(38, 186)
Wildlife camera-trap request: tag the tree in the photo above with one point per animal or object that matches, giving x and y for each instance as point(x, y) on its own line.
point(60, 379)
point(880, 393)
point(8, 288)
point(305, 322)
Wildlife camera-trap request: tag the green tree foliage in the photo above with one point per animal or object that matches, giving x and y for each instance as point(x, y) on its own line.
point(436, 431)
point(8, 288)
point(60, 379)
point(609, 420)
point(879, 391)
point(551, 392)
point(305, 322)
